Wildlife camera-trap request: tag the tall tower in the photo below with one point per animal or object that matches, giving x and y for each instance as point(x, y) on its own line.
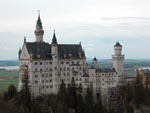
point(95, 63)
point(118, 63)
point(54, 53)
point(39, 32)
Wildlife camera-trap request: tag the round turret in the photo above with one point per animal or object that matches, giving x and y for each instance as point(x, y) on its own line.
point(39, 32)
point(118, 48)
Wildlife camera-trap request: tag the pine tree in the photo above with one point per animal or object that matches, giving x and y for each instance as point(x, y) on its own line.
point(12, 91)
point(24, 96)
point(138, 91)
point(89, 99)
point(72, 94)
point(62, 96)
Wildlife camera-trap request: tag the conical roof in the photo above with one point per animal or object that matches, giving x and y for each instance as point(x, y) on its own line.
point(54, 40)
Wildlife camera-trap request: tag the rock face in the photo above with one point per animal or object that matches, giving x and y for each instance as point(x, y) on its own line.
point(142, 109)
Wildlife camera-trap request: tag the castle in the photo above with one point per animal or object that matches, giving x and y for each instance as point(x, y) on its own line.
point(50, 64)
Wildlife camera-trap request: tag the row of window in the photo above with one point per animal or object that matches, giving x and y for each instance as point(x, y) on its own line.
point(60, 69)
point(50, 75)
point(100, 79)
point(73, 68)
point(49, 81)
point(62, 62)
point(51, 86)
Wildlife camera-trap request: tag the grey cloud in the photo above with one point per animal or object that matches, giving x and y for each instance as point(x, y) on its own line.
point(123, 18)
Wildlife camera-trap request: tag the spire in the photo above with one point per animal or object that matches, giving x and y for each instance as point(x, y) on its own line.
point(39, 32)
point(54, 40)
point(24, 39)
point(39, 23)
point(118, 44)
point(19, 51)
point(95, 59)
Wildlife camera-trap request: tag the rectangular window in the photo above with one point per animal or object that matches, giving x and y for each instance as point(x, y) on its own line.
point(50, 62)
point(67, 62)
point(35, 63)
point(40, 63)
point(72, 68)
point(62, 62)
point(36, 82)
point(80, 68)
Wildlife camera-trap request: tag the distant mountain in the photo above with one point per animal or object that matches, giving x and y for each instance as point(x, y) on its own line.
point(128, 63)
point(9, 62)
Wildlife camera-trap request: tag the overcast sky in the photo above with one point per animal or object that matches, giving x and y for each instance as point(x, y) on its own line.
point(97, 24)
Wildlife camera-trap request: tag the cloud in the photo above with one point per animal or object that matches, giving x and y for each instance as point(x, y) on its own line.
point(8, 49)
point(125, 18)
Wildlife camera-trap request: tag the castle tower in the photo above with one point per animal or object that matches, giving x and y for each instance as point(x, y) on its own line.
point(95, 63)
point(54, 53)
point(118, 63)
point(39, 32)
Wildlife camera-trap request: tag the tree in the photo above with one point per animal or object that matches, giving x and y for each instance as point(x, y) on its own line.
point(24, 96)
point(89, 99)
point(62, 96)
point(72, 94)
point(98, 107)
point(138, 91)
point(62, 93)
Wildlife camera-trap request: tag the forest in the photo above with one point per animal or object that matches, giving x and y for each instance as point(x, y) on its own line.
point(127, 99)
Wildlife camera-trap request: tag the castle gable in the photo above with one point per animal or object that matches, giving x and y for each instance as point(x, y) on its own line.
point(24, 53)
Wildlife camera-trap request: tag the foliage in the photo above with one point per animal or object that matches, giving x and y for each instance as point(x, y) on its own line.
point(70, 99)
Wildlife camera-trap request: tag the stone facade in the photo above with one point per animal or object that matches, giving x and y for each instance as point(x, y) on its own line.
point(50, 64)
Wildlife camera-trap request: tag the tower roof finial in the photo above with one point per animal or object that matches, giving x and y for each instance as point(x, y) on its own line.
point(39, 23)
point(24, 39)
point(54, 40)
point(39, 12)
point(118, 44)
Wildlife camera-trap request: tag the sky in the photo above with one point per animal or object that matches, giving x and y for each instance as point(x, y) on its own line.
point(97, 24)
